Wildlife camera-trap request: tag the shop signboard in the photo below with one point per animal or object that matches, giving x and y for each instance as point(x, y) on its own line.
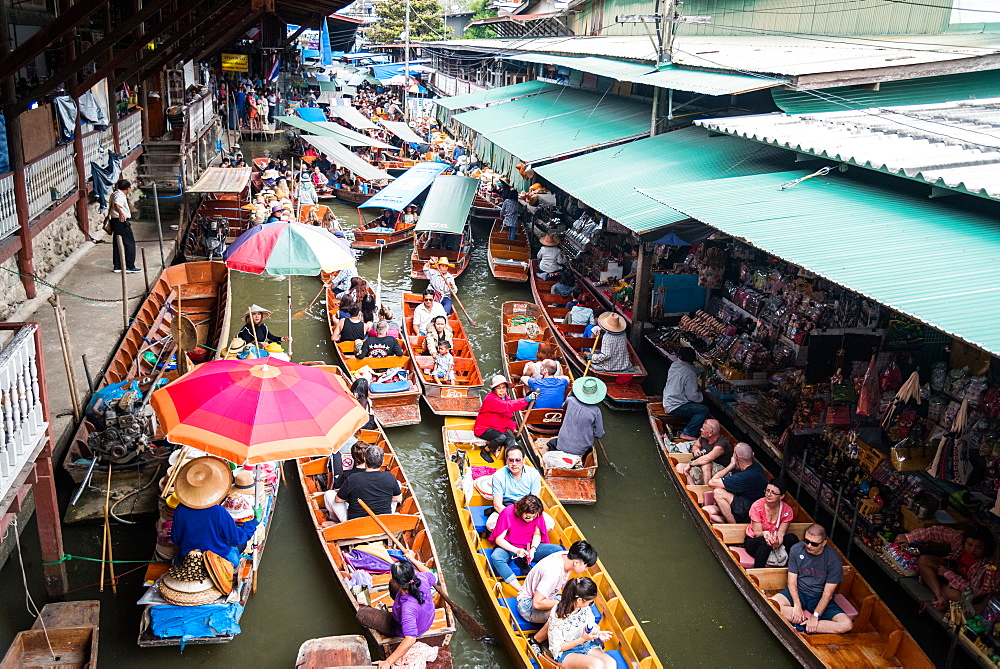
point(235, 62)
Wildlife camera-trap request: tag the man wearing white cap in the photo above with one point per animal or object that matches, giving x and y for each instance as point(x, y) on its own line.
point(582, 424)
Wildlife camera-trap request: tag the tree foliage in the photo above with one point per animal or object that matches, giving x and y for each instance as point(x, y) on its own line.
point(481, 10)
point(426, 21)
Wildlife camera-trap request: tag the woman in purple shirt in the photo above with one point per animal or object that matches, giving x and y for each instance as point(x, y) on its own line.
point(413, 606)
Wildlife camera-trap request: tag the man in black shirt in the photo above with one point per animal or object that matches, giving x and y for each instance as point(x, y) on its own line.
point(381, 345)
point(379, 489)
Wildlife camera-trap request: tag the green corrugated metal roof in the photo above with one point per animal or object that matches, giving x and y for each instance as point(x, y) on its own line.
point(338, 132)
point(667, 76)
point(606, 180)
point(328, 86)
point(930, 259)
point(494, 95)
point(447, 205)
point(926, 90)
point(558, 122)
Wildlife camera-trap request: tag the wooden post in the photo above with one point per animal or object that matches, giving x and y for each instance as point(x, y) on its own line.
point(145, 269)
point(67, 351)
point(111, 87)
point(46, 503)
point(124, 270)
point(641, 295)
point(82, 211)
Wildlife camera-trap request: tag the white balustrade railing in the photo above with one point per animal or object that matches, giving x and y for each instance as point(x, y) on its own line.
point(130, 132)
point(50, 178)
point(448, 85)
point(199, 114)
point(96, 145)
point(22, 420)
point(8, 209)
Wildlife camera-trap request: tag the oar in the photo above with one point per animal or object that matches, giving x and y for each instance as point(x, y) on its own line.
point(597, 338)
point(454, 298)
point(469, 624)
point(524, 421)
point(600, 443)
point(299, 314)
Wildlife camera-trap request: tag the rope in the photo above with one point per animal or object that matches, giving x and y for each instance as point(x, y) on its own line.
point(93, 300)
point(67, 557)
point(794, 182)
point(29, 603)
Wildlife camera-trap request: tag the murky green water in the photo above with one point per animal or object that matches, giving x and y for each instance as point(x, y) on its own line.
point(691, 611)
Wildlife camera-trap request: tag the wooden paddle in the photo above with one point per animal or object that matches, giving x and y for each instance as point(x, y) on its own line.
point(590, 359)
point(471, 626)
point(524, 421)
point(299, 314)
point(454, 298)
point(600, 443)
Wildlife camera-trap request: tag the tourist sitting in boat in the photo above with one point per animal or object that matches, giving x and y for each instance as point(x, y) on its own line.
point(312, 218)
point(681, 396)
point(613, 356)
point(200, 521)
point(362, 294)
point(969, 565)
point(425, 312)
point(510, 211)
point(441, 281)
point(439, 332)
point(385, 314)
point(341, 281)
point(550, 258)
point(566, 284)
point(381, 345)
point(410, 216)
point(444, 363)
point(323, 163)
point(379, 489)
point(258, 332)
point(541, 587)
point(546, 351)
point(768, 528)
point(737, 487)
point(412, 612)
point(508, 484)
point(550, 389)
point(710, 454)
point(352, 328)
point(355, 463)
point(582, 424)
point(360, 389)
point(527, 347)
point(521, 533)
point(319, 180)
point(495, 422)
point(330, 221)
point(814, 572)
point(575, 640)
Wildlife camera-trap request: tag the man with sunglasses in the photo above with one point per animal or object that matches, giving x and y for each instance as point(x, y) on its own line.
point(425, 312)
point(814, 571)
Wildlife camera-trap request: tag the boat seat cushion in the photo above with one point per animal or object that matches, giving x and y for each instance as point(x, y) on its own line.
point(619, 659)
point(846, 606)
point(479, 517)
point(746, 560)
point(510, 603)
point(395, 387)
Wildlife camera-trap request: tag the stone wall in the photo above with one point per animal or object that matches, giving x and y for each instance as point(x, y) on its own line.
point(11, 288)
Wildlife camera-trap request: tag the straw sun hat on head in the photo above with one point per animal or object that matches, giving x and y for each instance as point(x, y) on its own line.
point(203, 482)
point(444, 261)
point(549, 240)
point(611, 322)
point(257, 309)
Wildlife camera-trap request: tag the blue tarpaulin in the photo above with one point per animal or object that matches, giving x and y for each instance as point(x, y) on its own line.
point(105, 177)
point(312, 114)
point(310, 53)
point(325, 56)
point(406, 187)
point(192, 622)
point(4, 160)
point(386, 72)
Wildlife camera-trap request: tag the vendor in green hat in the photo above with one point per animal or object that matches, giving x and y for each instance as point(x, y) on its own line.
point(255, 331)
point(582, 424)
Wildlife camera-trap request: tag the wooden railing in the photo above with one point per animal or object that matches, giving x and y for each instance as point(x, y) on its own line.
point(8, 209)
point(449, 85)
point(22, 418)
point(50, 178)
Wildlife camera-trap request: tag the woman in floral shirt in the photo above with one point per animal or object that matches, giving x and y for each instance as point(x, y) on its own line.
point(574, 638)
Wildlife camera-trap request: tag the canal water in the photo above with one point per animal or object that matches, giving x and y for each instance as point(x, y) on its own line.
point(689, 608)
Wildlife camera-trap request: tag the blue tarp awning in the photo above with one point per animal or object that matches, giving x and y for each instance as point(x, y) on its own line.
point(406, 188)
point(311, 114)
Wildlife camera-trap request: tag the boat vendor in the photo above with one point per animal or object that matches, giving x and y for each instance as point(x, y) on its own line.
point(340, 281)
point(257, 331)
point(200, 520)
point(425, 312)
point(681, 396)
point(495, 422)
point(582, 424)
point(613, 356)
point(441, 281)
point(550, 257)
point(969, 565)
point(412, 607)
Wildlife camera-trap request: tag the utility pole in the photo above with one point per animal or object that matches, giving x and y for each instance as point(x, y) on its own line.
point(406, 72)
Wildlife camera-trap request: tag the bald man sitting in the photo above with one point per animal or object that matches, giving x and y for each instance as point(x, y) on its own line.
point(710, 454)
point(737, 487)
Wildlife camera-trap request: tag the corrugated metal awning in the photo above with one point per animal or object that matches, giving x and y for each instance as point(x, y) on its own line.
point(401, 130)
point(490, 95)
point(447, 205)
point(932, 260)
point(341, 155)
point(336, 131)
point(406, 188)
point(666, 76)
point(222, 180)
point(607, 180)
point(352, 116)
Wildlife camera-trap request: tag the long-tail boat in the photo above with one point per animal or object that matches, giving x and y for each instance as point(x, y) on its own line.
point(424, 250)
point(354, 197)
point(200, 291)
point(374, 235)
point(397, 405)
point(406, 523)
point(460, 398)
point(508, 258)
point(878, 639)
point(244, 583)
point(571, 486)
point(625, 389)
point(443, 229)
point(628, 644)
point(219, 217)
point(348, 651)
point(484, 210)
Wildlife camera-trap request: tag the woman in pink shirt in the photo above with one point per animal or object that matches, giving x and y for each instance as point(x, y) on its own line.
point(768, 528)
point(520, 534)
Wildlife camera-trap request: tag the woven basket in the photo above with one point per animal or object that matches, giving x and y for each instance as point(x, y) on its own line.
point(179, 598)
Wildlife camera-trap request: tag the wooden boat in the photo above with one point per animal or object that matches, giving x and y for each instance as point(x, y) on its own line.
point(261, 163)
point(421, 254)
point(200, 291)
point(392, 409)
point(348, 651)
point(462, 397)
point(374, 235)
point(571, 486)
point(509, 259)
point(70, 632)
point(484, 210)
point(320, 209)
point(628, 643)
point(624, 390)
point(353, 196)
point(244, 580)
point(407, 523)
point(878, 638)
point(220, 209)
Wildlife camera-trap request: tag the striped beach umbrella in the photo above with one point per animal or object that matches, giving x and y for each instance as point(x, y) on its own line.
point(288, 248)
